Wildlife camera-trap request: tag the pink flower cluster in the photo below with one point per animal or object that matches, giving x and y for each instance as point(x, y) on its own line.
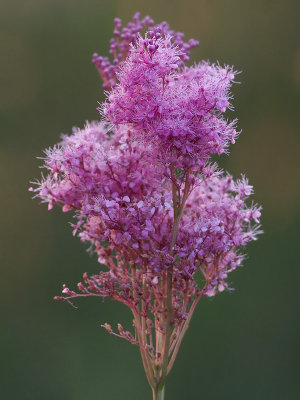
point(125, 37)
point(178, 108)
point(144, 194)
point(121, 197)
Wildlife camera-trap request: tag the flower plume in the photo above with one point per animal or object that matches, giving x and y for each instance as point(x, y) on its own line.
point(166, 223)
point(178, 108)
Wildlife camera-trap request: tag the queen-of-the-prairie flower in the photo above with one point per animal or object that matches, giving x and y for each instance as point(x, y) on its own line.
point(178, 108)
point(166, 223)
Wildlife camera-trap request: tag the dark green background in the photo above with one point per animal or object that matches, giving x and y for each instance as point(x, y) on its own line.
point(241, 345)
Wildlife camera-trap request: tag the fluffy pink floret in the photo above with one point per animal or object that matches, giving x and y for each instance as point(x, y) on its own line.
point(180, 109)
point(124, 200)
point(95, 164)
point(124, 37)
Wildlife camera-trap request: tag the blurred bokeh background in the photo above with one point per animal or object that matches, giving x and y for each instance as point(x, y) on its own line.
point(241, 345)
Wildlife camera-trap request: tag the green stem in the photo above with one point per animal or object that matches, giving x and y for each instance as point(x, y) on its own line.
point(158, 394)
point(178, 209)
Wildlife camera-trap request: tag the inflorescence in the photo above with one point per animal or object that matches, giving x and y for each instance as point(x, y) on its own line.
point(168, 225)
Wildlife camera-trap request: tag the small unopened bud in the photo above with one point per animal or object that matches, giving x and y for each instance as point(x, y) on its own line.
point(66, 208)
point(107, 327)
point(81, 287)
point(155, 280)
point(149, 323)
point(151, 48)
point(66, 290)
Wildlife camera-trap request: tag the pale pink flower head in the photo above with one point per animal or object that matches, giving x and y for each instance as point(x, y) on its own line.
point(177, 108)
point(124, 37)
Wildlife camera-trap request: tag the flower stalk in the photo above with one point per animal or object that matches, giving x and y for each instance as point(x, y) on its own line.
point(159, 394)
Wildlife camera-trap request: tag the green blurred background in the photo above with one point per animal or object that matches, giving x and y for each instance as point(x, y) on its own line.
point(241, 345)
